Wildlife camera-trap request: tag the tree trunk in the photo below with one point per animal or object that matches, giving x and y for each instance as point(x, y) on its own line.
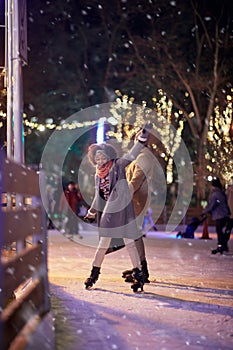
point(200, 172)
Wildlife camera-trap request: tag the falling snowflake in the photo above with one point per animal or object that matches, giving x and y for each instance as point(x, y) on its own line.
point(92, 321)
point(114, 346)
point(173, 3)
point(10, 271)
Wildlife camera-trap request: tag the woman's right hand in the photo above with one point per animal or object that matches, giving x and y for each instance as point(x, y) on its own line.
point(142, 135)
point(90, 217)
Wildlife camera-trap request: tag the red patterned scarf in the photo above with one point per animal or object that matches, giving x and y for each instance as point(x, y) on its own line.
point(104, 170)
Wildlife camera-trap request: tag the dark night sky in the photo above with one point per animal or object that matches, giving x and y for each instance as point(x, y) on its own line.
point(56, 70)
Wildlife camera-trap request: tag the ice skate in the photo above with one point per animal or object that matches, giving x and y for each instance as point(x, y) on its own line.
point(90, 281)
point(138, 280)
point(129, 279)
point(179, 234)
point(127, 273)
point(218, 250)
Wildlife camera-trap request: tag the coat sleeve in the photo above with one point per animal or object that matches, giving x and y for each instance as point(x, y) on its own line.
point(94, 205)
point(127, 158)
point(211, 204)
point(137, 178)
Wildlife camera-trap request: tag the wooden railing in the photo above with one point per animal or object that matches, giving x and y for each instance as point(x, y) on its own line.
point(24, 294)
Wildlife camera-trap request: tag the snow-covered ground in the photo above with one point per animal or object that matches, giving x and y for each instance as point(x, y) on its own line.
point(187, 305)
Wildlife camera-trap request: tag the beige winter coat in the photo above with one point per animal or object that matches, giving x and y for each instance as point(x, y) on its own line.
point(139, 175)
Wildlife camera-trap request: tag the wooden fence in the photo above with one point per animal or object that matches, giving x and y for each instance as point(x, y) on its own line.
point(24, 294)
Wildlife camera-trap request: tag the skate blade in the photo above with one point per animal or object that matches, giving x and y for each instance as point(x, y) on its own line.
point(126, 273)
point(88, 287)
point(136, 288)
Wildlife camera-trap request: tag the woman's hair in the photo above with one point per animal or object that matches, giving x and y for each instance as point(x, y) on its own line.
point(109, 150)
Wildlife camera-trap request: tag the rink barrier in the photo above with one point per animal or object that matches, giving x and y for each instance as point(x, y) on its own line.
point(24, 289)
point(161, 216)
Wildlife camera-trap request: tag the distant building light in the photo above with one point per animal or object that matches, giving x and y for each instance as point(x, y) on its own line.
point(100, 131)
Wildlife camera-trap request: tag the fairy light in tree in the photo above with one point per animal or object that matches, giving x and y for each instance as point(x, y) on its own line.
point(170, 138)
point(220, 147)
point(131, 121)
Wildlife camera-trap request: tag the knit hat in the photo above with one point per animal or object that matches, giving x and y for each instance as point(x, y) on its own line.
point(101, 151)
point(216, 183)
point(106, 149)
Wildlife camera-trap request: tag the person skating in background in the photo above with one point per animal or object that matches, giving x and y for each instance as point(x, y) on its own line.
point(68, 206)
point(50, 203)
point(229, 194)
point(191, 228)
point(218, 207)
point(148, 222)
point(113, 206)
point(81, 206)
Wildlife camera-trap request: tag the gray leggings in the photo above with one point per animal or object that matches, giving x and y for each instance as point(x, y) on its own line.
point(141, 248)
point(103, 246)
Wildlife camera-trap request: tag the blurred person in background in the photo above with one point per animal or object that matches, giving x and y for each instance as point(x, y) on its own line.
point(218, 207)
point(68, 207)
point(229, 194)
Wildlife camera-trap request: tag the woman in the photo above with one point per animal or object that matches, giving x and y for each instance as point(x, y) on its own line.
point(113, 206)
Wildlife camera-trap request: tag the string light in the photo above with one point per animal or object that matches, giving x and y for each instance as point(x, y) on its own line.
point(219, 156)
point(128, 121)
point(32, 125)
